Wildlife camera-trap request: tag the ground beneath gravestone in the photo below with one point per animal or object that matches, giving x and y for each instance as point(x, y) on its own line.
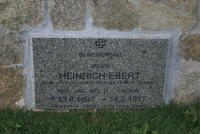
point(162, 120)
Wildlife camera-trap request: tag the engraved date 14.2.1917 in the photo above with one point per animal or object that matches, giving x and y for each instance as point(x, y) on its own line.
point(113, 99)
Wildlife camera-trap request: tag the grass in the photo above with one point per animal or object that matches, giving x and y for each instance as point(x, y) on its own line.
point(170, 119)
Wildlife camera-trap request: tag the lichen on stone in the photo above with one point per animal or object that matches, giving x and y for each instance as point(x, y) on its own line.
point(191, 47)
point(115, 14)
point(67, 14)
point(11, 86)
point(18, 14)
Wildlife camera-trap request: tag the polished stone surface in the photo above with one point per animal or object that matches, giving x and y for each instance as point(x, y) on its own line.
point(88, 73)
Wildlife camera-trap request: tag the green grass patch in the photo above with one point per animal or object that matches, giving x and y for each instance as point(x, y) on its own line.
point(170, 119)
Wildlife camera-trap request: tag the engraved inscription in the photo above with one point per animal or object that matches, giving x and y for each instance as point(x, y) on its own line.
point(92, 73)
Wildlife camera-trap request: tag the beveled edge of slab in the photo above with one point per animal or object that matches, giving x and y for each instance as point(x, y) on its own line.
point(171, 35)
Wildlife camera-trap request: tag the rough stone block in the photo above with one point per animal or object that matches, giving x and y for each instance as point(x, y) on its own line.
point(191, 47)
point(11, 86)
point(115, 14)
point(183, 6)
point(10, 48)
point(148, 15)
point(188, 90)
point(158, 17)
point(188, 81)
point(18, 14)
point(67, 14)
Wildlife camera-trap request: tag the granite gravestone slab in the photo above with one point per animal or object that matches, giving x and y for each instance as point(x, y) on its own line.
point(97, 73)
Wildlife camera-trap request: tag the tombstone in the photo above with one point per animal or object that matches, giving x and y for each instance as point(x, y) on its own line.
point(100, 72)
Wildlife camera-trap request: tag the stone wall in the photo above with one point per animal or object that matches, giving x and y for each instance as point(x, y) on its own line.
point(20, 16)
point(15, 17)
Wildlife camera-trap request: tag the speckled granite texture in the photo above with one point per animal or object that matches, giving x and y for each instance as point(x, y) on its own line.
point(125, 73)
